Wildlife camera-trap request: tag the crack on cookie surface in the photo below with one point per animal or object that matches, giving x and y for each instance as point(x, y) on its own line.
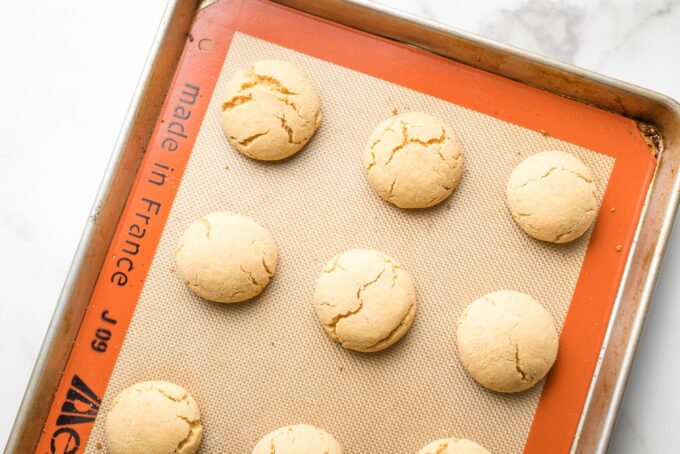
point(236, 101)
point(332, 325)
point(553, 169)
point(406, 140)
point(261, 79)
point(518, 367)
point(334, 264)
point(208, 227)
point(250, 276)
point(248, 140)
point(442, 448)
point(194, 426)
point(288, 130)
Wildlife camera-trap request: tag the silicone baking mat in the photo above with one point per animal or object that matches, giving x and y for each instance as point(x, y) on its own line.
point(259, 365)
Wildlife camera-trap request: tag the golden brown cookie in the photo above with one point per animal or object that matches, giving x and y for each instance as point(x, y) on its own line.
point(153, 417)
point(270, 110)
point(413, 160)
point(226, 257)
point(365, 300)
point(552, 196)
point(507, 341)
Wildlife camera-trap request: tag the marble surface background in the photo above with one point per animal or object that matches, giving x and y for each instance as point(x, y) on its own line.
point(69, 70)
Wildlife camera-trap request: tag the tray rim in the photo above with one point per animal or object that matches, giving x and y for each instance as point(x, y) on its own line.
point(636, 289)
point(145, 106)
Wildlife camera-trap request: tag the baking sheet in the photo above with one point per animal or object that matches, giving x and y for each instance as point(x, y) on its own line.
point(121, 278)
point(256, 366)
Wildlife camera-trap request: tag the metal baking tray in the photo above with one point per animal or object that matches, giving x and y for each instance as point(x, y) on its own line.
point(658, 118)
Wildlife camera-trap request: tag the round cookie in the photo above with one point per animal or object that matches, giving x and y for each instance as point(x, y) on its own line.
point(226, 257)
point(365, 300)
point(153, 417)
point(453, 446)
point(507, 341)
point(270, 110)
point(413, 160)
point(298, 439)
point(552, 196)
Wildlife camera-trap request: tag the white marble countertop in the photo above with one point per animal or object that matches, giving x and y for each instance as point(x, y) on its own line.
point(69, 70)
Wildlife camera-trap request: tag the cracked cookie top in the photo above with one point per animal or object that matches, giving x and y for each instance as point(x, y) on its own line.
point(365, 300)
point(153, 417)
point(226, 257)
point(453, 446)
point(270, 110)
point(552, 196)
point(298, 439)
point(507, 341)
point(413, 160)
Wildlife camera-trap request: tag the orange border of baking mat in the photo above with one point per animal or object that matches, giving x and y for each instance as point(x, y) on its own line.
point(565, 390)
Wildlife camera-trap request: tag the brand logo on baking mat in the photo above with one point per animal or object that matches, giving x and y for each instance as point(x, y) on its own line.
point(81, 406)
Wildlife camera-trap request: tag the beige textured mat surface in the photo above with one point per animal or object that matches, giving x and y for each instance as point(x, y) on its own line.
point(259, 365)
